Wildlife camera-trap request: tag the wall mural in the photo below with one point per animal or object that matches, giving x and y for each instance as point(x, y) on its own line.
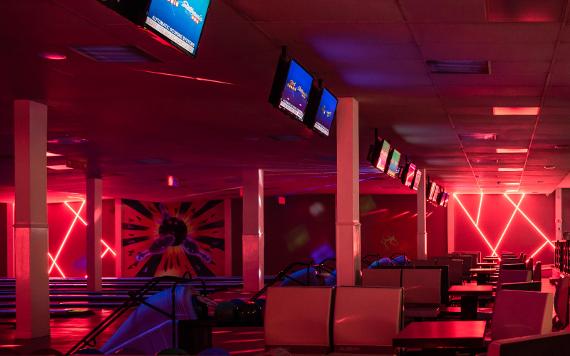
point(173, 238)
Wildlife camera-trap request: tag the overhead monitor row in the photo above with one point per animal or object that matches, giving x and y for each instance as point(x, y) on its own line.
point(180, 22)
point(436, 194)
point(295, 93)
point(387, 160)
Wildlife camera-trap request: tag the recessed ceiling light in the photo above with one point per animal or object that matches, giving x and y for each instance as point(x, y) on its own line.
point(172, 181)
point(458, 66)
point(510, 169)
point(549, 167)
point(51, 154)
point(53, 56)
point(509, 183)
point(519, 111)
point(512, 150)
point(511, 191)
point(59, 167)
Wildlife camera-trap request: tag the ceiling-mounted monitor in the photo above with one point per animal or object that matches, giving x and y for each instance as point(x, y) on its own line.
point(291, 88)
point(417, 179)
point(321, 111)
point(394, 166)
point(408, 174)
point(378, 155)
point(178, 21)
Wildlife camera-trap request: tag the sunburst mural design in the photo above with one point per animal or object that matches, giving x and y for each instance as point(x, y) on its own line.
point(150, 250)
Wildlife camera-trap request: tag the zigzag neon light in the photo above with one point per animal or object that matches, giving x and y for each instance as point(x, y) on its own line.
point(530, 221)
point(66, 236)
point(473, 222)
point(109, 249)
point(479, 209)
point(507, 226)
point(56, 265)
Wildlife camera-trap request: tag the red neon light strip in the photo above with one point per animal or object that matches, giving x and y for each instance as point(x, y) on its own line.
point(507, 226)
point(85, 223)
point(479, 210)
point(538, 250)
point(56, 265)
point(473, 222)
point(66, 236)
point(530, 221)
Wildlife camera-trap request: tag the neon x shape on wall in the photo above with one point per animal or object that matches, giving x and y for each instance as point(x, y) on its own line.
point(516, 210)
point(76, 218)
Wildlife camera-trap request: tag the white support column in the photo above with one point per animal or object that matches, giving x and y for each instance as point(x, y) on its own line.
point(118, 232)
point(347, 195)
point(30, 228)
point(422, 231)
point(10, 243)
point(253, 231)
point(558, 207)
point(94, 211)
point(451, 225)
point(228, 237)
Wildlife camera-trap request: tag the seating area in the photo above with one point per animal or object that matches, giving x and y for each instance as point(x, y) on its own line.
point(273, 178)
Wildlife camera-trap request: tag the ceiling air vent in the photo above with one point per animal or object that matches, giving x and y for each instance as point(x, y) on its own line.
point(115, 54)
point(459, 67)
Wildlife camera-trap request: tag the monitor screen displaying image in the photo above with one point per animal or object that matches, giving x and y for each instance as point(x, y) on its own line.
point(408, 175)
point(295, 94)
point(382, 160)
point(178, 21)
point(394, 167)
point(325, 112)
point(417, 179)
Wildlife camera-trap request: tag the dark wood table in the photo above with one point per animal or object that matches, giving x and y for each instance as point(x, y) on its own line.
point(483, 274)
point(470, 294)
point(442, 334)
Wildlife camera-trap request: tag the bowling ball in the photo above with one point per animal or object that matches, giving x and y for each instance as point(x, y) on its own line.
point(385, 261)
point(250, 313)
point(226, 312)
point(401, 260)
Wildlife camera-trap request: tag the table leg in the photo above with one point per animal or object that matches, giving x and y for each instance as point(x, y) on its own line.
point(469, 307)
point(482, 278)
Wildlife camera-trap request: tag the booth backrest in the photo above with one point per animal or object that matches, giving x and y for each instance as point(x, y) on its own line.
point(382, 277)
point(532, 286)
point(513, 276)
point(422, 285)
point(537, 272)
point(521, 313)
point(298, 316)
point(547, 344)
point(518, 265)
point(366, 317)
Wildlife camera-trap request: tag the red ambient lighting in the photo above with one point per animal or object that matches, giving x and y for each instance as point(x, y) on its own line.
point(516, 111)
point(77, 217)
point(53, 56)
point(516, 210)
point(512, 150)
point(181, 76)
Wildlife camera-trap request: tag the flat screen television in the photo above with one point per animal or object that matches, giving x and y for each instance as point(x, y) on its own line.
point(441, 198)
point(417, 180)
point(378, 155)
point(394, 166)
point(433, 191)
point(408, 174)
point(321, 111)
point(446, 200)
point(178, 21)
point(291, 88)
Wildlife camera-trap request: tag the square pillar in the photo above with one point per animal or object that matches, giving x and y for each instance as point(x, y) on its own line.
point(253, 231)
point(347, 195)
point(422, 226)
point(118, 232)
point(30, 220)
point(94, 232)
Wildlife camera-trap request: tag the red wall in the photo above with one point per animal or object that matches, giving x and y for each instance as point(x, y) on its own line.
point(304, 228)
point(496, 211)
point(71, 259)
point(3, 239)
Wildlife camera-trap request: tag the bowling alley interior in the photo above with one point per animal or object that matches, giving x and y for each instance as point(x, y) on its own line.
point(264, 177)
